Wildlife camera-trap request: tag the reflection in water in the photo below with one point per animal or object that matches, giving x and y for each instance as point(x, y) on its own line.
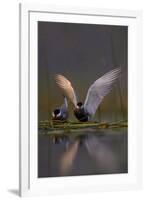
point(101, 153)
point(89, 153)
point(67, 159)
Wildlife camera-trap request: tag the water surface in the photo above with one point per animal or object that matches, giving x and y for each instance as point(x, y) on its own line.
point(86, 152)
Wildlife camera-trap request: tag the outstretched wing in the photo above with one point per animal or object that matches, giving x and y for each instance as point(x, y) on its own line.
point(66, 87)
point(99, 89)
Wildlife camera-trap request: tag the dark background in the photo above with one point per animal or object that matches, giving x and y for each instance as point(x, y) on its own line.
point(83, 53)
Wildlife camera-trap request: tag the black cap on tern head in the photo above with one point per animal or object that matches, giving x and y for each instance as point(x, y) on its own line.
point(56, 111)
point(79, 104)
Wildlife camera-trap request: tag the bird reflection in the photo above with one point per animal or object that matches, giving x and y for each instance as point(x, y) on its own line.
point(68, 157)
point(100, 153)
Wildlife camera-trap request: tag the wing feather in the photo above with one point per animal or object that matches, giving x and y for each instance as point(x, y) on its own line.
point(99, 89)
point(66, 87)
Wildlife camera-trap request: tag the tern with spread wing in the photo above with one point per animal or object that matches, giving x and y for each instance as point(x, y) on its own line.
point(96, 92)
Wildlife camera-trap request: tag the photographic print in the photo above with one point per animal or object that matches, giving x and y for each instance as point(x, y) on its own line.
point(82, 99)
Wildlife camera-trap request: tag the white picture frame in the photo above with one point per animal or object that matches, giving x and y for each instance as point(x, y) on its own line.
point(29, 184)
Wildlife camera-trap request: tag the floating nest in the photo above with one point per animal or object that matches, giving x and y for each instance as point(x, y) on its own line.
point(55, 126)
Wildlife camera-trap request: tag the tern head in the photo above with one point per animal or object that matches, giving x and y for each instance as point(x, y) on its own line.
point(79, 105)
point(56, 113)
